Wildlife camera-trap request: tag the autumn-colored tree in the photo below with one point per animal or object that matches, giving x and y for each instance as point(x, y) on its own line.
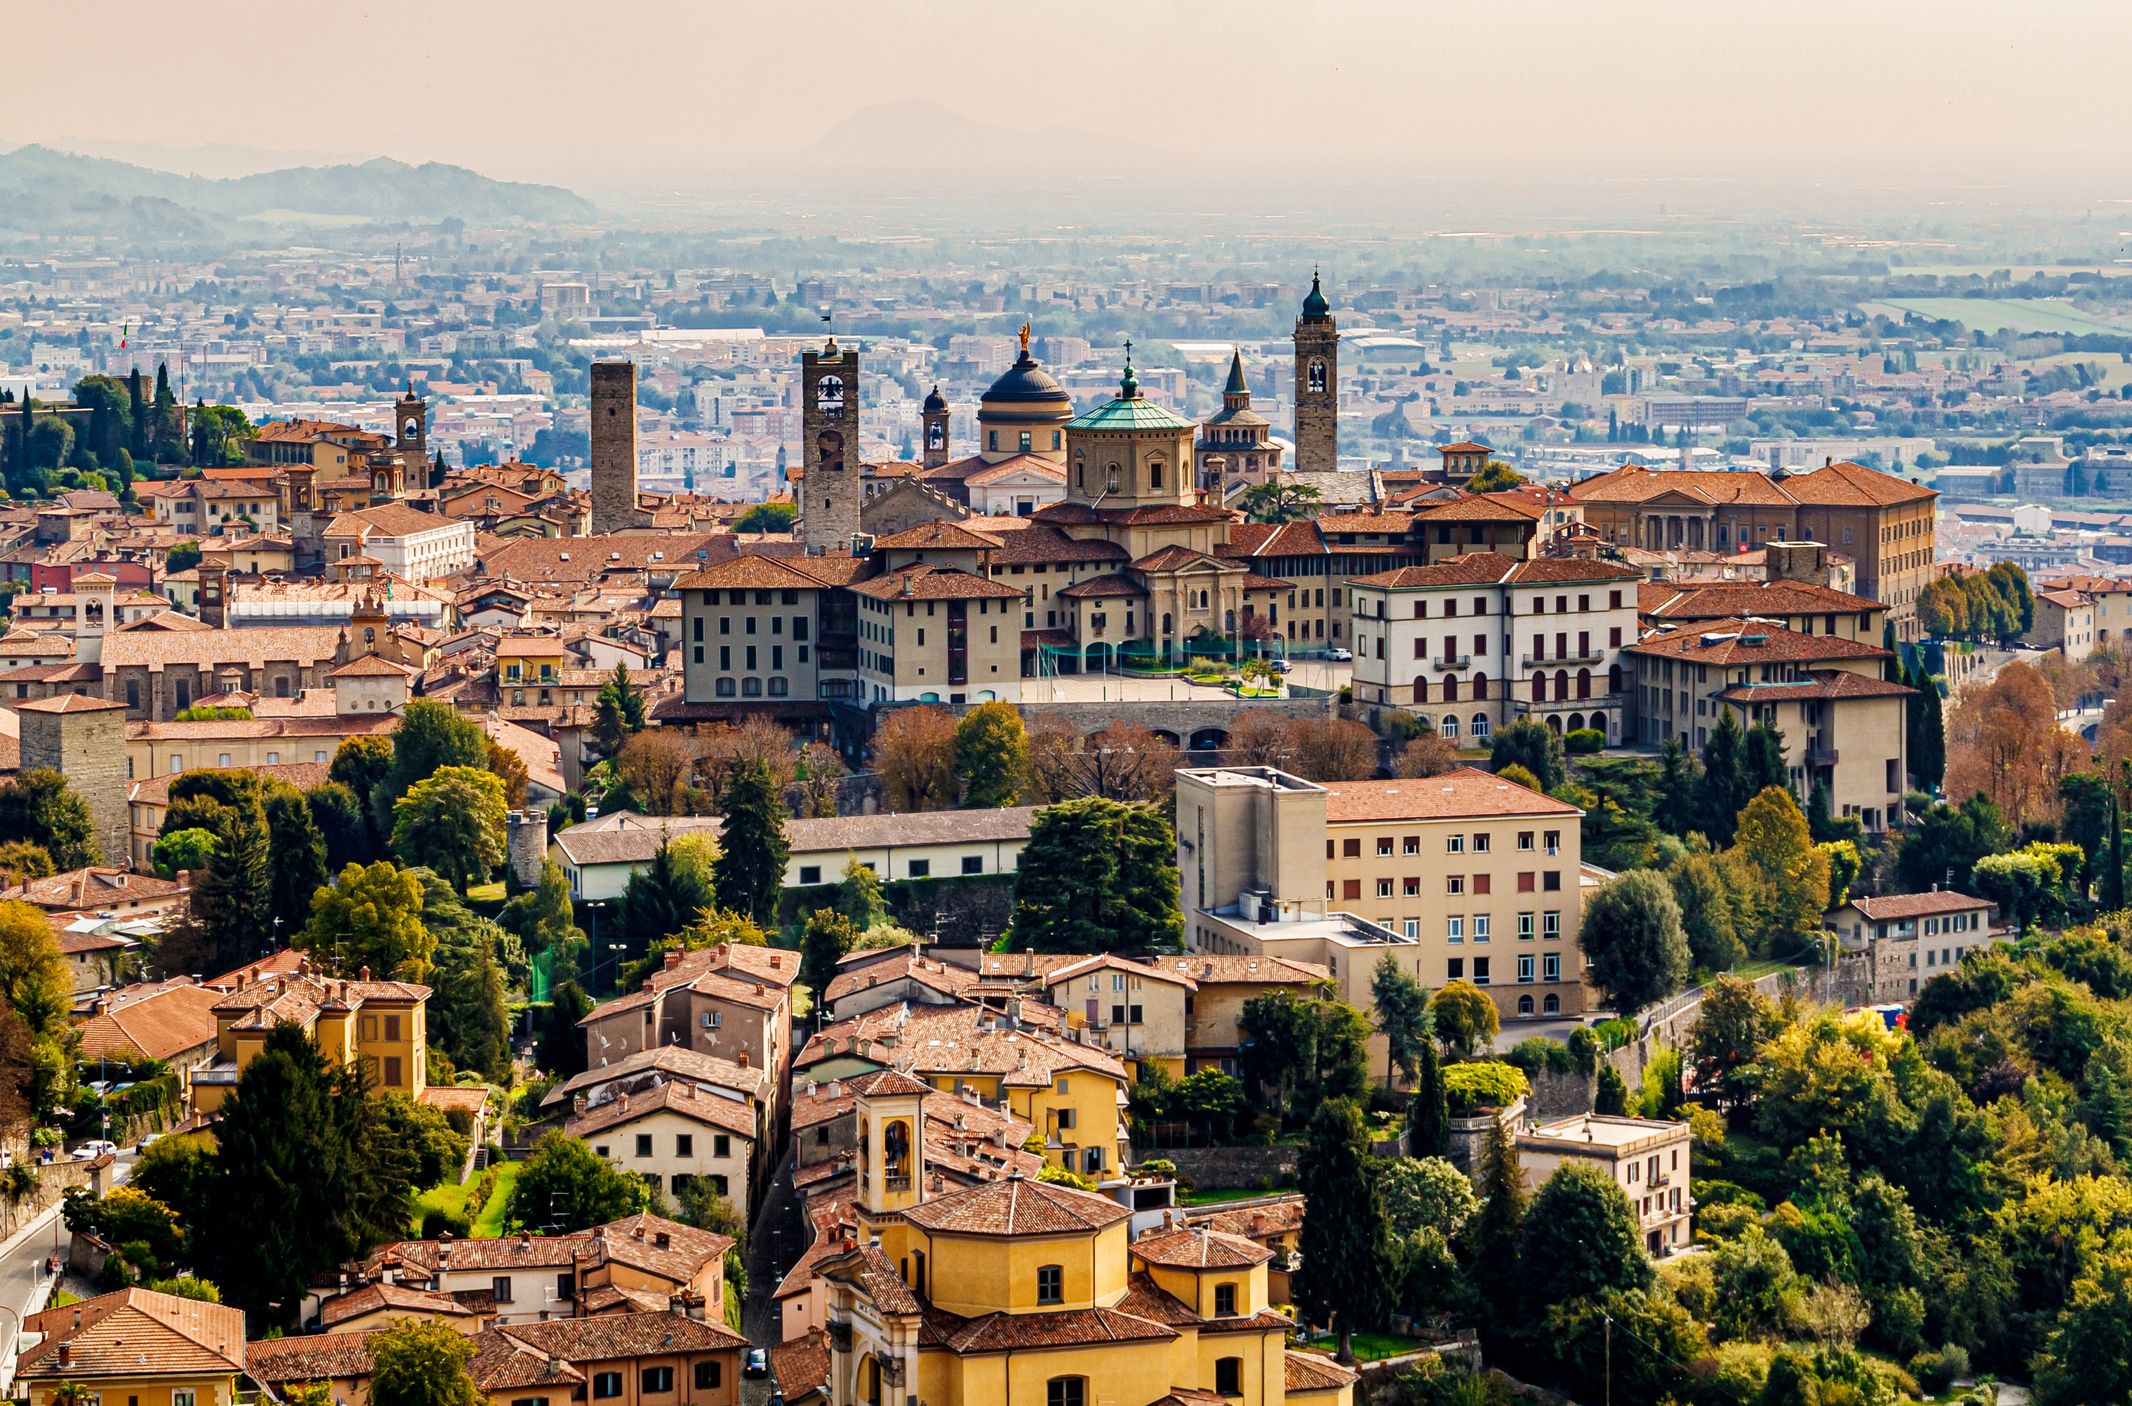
point(757, 739)
point(2004, 740)
point(510, 769)
point(1126, 762)
point(657, 765)
point(1426, 755)
point(1332, 749)
point(821, 774)
point(1256, 738)
point(1773, 836)
point(1054, 760)
point(914, 751)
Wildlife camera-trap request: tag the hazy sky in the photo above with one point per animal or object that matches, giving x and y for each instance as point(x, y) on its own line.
point(628, 93)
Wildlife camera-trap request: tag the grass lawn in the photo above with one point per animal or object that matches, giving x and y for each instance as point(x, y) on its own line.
point(1216, 1196)
point(62, 1299)
point(486, 893)
point(1375, 1347)
point(490, 1226)
point(2045, 316)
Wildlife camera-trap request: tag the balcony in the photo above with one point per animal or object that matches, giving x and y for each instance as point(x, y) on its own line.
point(1452, 661)
point(1819, 753)
point(1575, 656)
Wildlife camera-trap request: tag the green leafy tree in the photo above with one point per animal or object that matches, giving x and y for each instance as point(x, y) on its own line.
point(1634, 947)
point(364, 766)
point(311, 1143)
point(1707, 912)
point(1945, 842)
point(1098, 876)
point(664, 896)
point(1724, 789)
point(1496, 1232)
point(453, 822)
point(183, 557)
point(1280, 500)
point(2092, 821)
point(470, 1013)
point(1532, 745)
point(1734, 1020)
point(827, 937)
point(34, 979)
point(1431, 1118)
point(1762, 759)
point(566, 1186)
point(751, 868)
point(991, 755)
point(298, 848)
point(343, 823)
point(1464, 1019)
point(1305, 1050)
point(2038, 883)
point(1680, 780)
point(1844, 866)
point(426, 1133)
point(230, 918)
point(1402, 1017)
point(1772, 835)
point(2087, 1359)
point(21, 861)
point(618, 712)
point(431, 736)
point(1580, 1238)
point(40, 807)
point(1346, 1265)
point(422, 1363)
point(560, 1046)
point(370, 917)
point(189, 850)
point(859, 896)
point(1610, 1098)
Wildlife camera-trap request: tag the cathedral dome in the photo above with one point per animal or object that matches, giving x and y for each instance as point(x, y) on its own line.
point(1026, 391)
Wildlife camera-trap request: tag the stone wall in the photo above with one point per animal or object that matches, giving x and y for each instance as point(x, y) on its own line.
point(1228, 1167)
point(1179, 717)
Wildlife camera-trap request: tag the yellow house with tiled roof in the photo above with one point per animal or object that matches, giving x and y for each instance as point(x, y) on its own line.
point(384, 1024)
point(135, 1346)
point(1017, 1292)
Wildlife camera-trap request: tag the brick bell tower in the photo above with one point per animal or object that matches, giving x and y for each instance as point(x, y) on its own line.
point(1317, 384)
point(831, 484)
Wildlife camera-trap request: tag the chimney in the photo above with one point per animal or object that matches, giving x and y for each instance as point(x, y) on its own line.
point(743, 1059)
point(364, 972)
point(185, 878)
point(777, 961)
point(673, 958)
point(647, 984)
point(75, 889)
point(66, 1351)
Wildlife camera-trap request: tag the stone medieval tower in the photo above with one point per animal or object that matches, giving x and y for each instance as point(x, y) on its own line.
point(830, 488)
point(1317, 385)
point(614, 445)
point(84, 740)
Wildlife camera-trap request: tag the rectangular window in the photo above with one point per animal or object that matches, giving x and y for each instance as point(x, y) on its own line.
point(1550, 925)
point(1551, 881)
point(1455, 969)
point(1526, 880)
point(566, 1286)
point(1455, 929)
point(1225, 1301)
point(500, 1288)
point(1454, 844)
point(1551, 966)
point(1384, 845)
point(1481, 882)
point(973, 864)
point(1050, 1284)
point(810, 873)
point(1553, 840)
point(1481, 924)
point(1524, 839)
point(657, 1380)
point(1384, 888)
point(1480, 843)
point(1351, 849)
point(1454, 883)
point(1524, 927)
point(1411, 886)
point(1525, 968)
point(643, 1144)
point(921, 868)
point(606, 1385)
point(1066, 1391)
point(684, 1144)
point(708, 1375)
point(1411, 844)
point(1480, 971)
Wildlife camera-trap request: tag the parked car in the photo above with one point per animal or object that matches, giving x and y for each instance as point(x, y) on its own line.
point(1338, 655)
point(1281, 666)
point(145, 1143)
point(96, 1148)
point(755, 1364)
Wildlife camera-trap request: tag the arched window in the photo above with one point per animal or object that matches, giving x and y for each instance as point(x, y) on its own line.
point(1449, 727)
point(1112, 485)
point(1480, 688)
point(1524, 1005)
point(1167, 627)
point(829, 395)
point(751, 688)
point(870, 1380)
point(1576, 721)
point(936, 435)
point(1549, 1005)
point(1066, 1391)
point(1450, 690)
point(1584, 683)
point(1561, 684)
point(1539, 688)
point(1480, 727)
point(1317, 376)
point(1613, 679)
point(778, 686)
point(725, 688)
point(1597, 721)
point(1421, 688)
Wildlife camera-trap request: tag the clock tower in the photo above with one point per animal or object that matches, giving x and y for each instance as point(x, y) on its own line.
point(831, 481)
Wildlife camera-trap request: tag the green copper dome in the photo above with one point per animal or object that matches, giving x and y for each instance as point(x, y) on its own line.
point(1314, 304)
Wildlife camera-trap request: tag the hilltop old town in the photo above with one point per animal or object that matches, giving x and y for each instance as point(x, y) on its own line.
point(777, 796)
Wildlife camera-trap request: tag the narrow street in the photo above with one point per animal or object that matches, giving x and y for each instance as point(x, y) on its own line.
point(773, 1244)
point(24, 1285)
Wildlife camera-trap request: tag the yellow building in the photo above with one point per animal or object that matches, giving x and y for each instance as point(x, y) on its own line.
point(137, 1347)
point(1021, 1293)
point(529, 659)
point(382, 1023)
point(1136, 1010)
point(1072, 1093)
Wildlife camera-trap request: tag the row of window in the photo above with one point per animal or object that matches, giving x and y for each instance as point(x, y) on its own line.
point(1550, 969)
point(748, 623)
point(651, 1381)
point(1455, 843)
point(1480, 606)
point(913, 869)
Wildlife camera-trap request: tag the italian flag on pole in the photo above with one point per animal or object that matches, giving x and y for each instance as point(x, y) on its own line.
point(123, 333)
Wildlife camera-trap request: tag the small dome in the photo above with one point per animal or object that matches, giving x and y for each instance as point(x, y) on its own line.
point(1314, 304)
point(936, 402)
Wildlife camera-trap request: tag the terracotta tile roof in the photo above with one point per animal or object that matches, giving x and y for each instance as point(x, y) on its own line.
point(310, 1357)
point(1888, 907)
point(1464, 446)
point(1458, 793)
point(1210, 970)
point(676, 1097)
point(1570, 570)
point(1314, 1371)
point(1257, 1223)
point(909, 966)
point(1722, 600)
point(119, 1330)
point(1115, 586)
point(69, 703)
point(502, 1362)
point(936, 536)
point(1481, 507)
point(160, 1025)
point(1633, 483)
point(663, 1248)
point(671, 1061)
point(93, 888)
point(371, 1298)
point(1750, 642)
point(1082, 1327)
point(802, 1365)
point(923, 582)
point(387, 520)
point(873, 1272)
point(944, 1041)
point(1393, 523)
point(253, 645)
point(754, 572)
point(1144, 1298)
point(1016, 1206)
point(1199, 1248)
point(1846, 484)
point(1472, 569)
point(1820, 685)
point(1170, 513)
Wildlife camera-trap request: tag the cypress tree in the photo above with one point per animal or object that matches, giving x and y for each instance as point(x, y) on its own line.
point(1431, 1118)
point(1346, 1267)
point(751, 865)
point(138, 404)
point(1720, 800)
point(1494, 1234)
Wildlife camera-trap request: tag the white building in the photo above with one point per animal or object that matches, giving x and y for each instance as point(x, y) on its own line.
point(1479, 641)
point(405, 541)
point(1646, 1158)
